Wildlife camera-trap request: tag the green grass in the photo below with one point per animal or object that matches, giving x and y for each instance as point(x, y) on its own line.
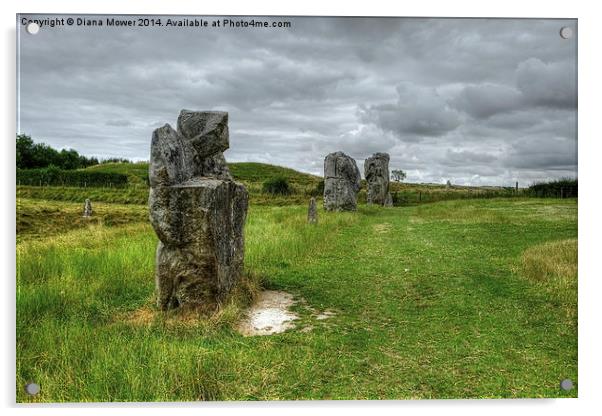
point(135, 195)
point(553, 267)
point(431, 301)
point(137, 172)
point(250, 173)
point(42, 218)
point(129, 195)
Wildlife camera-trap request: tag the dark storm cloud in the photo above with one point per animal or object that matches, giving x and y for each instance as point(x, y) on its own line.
point(548, 84)
point(485, 100)
point(554, 153)
point(419, 111)
point(480, 101)
point(462, 157)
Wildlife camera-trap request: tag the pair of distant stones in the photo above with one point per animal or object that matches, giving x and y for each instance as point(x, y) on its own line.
point(342, 181)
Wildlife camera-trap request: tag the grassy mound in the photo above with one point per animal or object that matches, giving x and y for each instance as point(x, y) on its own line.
point(137, 173)
point(250, 173)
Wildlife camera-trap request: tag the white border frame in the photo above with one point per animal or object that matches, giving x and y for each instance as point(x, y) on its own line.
point(590, 286)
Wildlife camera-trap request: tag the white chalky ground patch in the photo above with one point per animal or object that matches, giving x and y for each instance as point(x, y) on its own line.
point(269, 315)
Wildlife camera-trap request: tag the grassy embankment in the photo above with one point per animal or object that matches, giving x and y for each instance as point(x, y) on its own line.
point(252, 175)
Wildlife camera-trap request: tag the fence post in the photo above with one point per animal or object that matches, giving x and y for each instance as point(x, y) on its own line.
point(419, 196)
point(561, 193)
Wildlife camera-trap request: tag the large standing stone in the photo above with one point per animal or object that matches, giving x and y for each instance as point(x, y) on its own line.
point(312, 211)
point(376, 171)
point(342, 182)
point(197, 211)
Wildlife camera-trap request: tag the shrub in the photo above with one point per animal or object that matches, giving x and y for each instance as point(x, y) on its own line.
point(566, 188)
point(277, 186)
point(318, 190)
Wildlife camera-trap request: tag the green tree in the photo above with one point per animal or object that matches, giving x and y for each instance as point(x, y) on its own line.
point(70, 159)
point(398, 175)
point(32, 155)
point(24, 151)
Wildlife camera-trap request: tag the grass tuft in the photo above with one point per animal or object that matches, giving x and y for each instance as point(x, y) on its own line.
point(553, 266)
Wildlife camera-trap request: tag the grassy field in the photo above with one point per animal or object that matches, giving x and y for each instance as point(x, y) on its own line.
point(455, 299)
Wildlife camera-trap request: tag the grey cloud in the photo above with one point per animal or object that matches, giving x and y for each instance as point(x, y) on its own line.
point(419, 111)
point(440, 95)
point(550, 153)
point(537, 84)
point(485, 100)
point(463, 157)
point(118, 123)
point(548, 84)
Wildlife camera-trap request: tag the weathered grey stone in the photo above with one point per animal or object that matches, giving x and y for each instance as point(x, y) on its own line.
point(376, 171)
point(171, 159)
point(342, 182)
point(197, 211)
point(207, 131)
point(87, 208)
point(448, 184)
point(193, 150)
point(312, 211)
point(389, 200)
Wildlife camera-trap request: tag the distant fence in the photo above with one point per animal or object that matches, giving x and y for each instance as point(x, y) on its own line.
point(78, 178)
point(411, 197)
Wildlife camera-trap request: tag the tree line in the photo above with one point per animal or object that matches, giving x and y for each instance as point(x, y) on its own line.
point(31, 155)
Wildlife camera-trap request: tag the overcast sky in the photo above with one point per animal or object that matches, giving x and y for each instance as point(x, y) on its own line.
point(475, 101)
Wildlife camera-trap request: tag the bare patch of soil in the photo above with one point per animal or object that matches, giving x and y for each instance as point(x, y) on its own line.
point(269, 315)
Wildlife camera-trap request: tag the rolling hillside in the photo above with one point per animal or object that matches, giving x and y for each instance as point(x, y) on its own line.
point(253, 175)
point(250, 173)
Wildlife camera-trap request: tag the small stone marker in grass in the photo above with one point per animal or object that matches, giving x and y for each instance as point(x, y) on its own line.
point(87, 209)
point(312, 211)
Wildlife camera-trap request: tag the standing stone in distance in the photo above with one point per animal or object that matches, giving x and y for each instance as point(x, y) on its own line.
point(197, 211)
point(376, 171)
point(342, 182)
point(87, 208)
point(389, 200)
point(312, 211)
